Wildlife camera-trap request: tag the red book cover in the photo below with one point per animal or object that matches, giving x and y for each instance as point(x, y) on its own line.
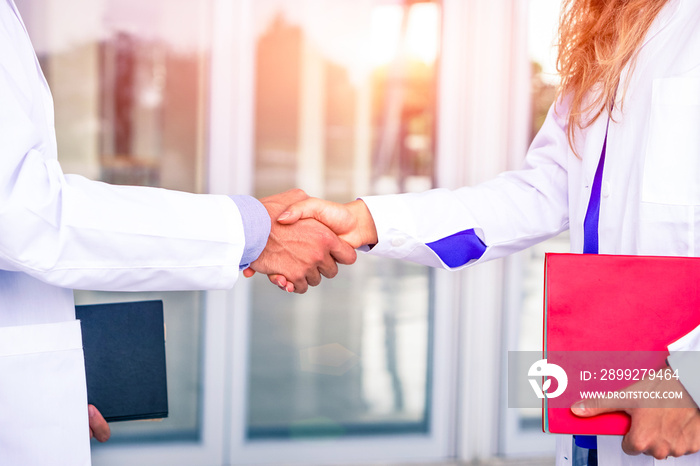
point(608, 319)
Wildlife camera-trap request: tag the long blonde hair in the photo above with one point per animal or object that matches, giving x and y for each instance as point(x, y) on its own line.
point(597, 39)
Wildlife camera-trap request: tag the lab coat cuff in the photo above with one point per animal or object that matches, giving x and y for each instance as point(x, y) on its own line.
point(402, 237)
point(395, 226)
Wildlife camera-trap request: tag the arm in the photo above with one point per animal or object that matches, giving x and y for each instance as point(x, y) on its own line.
point(75, 233)
point(453, 229)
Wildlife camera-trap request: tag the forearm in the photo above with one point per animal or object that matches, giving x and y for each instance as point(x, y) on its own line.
point(91, 235)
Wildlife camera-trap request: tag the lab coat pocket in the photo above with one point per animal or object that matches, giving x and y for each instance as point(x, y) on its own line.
point(43, 399)
point(672, 162)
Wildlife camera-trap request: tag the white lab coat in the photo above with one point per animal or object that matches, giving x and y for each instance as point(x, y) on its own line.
point(650, 201)
point(59, 232)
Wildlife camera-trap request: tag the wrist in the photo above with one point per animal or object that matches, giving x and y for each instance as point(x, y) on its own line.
point(366, 229)
point(256, 227)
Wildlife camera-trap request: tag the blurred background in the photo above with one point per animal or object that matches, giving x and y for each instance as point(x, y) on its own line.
point(390, 362)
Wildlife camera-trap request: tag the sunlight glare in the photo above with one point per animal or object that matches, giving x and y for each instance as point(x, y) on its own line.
point(422, 32)
point(386, 30)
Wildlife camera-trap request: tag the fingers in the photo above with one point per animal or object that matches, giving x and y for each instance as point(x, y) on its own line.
point(294, 195)
point(593, 407)
point(657, 432)
point(99, 429)
point(281, 282)
point(343, 253)
point(663, 432)
point(323, 262)
point(275, 204)
point(330, 251)
point(313, 277)
point(644, 440)
point(302, 286)
point(287, 197)
point(342, 219)
point(633, 446)
point(309, 208)
point(328, 268)
point(298, 256)
point(278, 280)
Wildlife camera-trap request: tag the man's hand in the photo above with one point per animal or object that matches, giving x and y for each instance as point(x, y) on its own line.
point(352, 222)
point(299, 253)
point(656, 430)
point(99, 429)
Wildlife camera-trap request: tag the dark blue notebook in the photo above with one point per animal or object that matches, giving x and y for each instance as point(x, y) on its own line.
point(124, 347)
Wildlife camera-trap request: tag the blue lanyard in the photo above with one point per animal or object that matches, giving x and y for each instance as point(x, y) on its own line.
point(590, 246)
point(590, 223)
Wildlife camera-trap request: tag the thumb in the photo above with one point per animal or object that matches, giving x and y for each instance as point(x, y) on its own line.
point(343, 253)
point(248, 272)
point(99, 428)
point(308, 208)
point(593, 407)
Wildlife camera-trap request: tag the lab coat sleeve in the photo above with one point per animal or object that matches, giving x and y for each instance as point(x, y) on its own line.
point(72, 232)
point(456, 228)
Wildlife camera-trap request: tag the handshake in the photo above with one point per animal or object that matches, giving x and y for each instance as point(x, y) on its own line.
point(309, 237)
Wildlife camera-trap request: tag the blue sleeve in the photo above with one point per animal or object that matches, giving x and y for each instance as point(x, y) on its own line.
point(256, 226)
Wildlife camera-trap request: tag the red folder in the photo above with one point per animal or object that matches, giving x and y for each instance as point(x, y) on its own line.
point(605, 312)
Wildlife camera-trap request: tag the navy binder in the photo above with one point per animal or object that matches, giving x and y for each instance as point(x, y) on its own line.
point(124, 347)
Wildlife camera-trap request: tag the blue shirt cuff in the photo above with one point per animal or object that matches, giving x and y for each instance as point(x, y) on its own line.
point(256, 227)
point(459, 249)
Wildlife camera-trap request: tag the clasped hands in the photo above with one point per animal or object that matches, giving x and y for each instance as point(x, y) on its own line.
point(309, 238)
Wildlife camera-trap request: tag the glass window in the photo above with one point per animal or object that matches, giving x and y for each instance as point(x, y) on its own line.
point(129, 81)
point(344, 106)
